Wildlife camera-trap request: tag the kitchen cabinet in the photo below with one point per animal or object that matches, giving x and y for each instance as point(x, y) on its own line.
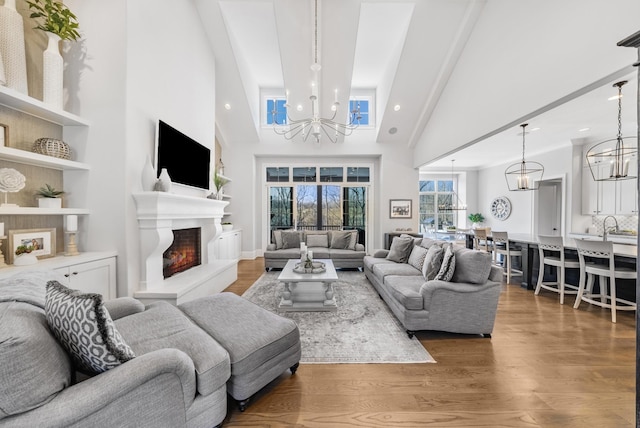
point(598, 197)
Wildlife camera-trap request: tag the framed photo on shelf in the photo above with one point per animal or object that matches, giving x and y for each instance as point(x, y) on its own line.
point(42, 242)
point(400, 208)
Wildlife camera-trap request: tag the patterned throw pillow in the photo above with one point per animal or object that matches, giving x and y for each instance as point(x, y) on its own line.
point(448, 265)
point(416, 258)
point(85, 329)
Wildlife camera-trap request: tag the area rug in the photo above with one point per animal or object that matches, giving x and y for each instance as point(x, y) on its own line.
point(362, 330)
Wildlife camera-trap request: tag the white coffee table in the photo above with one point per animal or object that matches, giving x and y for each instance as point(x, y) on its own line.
point(308, 291)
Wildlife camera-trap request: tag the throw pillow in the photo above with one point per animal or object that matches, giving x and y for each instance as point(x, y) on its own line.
point(472, 266)
point(290, 239)
point(277, 239)
point(428, 242)
point(318, 240)
point(340, 239)
point(432, 262)
point(83, 326)
point(448, 265)
point(353, 241)
point(417, 256)
point(400, 249)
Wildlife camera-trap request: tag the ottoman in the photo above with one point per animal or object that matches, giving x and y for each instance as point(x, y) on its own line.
point(261, 344)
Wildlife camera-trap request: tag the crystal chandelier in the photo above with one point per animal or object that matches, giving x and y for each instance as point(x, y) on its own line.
point(453, 203)
point(524, 175)
point(618, 156)
point(315, 125)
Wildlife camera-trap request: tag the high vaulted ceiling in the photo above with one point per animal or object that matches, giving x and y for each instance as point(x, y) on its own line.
point(403, 51)
point(406, 53)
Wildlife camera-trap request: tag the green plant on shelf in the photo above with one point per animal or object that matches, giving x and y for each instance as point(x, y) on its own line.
point(54, 17)
point(49, 192)
point(219, 180)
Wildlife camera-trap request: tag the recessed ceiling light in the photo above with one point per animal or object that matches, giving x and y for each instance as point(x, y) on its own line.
point(299, 108)
point(615, 97)
point(583, 129)
point(534, 129)
point(393, 130)
point(227, 106)
point(396, 107)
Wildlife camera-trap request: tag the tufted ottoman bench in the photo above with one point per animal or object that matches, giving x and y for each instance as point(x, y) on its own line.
point(261, 344)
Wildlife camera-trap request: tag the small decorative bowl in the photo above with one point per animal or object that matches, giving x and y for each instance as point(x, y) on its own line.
point(52, 147)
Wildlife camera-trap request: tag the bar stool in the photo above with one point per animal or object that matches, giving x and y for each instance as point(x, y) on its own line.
point(554, 247)
point(588, 250)
point(480, 240)
point(501, 246)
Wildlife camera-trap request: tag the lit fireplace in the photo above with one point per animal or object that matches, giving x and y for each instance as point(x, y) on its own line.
point(184, 252)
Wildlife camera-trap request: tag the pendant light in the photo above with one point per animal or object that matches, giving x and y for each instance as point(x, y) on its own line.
point(454, 203)
point(524, 175)
point(618, 156)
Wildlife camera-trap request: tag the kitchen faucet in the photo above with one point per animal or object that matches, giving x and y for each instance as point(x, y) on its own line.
point(604, 226)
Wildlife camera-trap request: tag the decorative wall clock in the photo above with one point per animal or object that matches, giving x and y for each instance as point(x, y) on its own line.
point(501, 207)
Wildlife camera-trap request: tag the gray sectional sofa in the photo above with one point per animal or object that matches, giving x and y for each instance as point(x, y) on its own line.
point(187, 359)
point(466, 303)
point(341, 247)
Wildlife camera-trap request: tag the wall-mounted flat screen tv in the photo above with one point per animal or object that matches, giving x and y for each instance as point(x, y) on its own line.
point(186, 160)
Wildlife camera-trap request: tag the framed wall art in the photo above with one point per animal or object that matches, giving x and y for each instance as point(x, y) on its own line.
point(41, 241)
point(400, 208)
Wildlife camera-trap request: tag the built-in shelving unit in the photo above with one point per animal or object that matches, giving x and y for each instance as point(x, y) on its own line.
point(29, 158)
point(42, 211)
point(26, 104)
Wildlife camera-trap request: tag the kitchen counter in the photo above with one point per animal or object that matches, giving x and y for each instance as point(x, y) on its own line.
point(618, 239)
point(529, 244)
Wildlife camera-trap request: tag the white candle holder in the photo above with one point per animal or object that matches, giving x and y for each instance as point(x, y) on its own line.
point(72, 248)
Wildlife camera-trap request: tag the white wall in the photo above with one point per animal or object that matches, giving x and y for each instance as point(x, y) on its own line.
point(395, 179)
point(151, 61)
point(491, 184)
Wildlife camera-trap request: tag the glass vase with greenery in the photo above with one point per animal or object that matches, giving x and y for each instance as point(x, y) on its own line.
point(54, 17)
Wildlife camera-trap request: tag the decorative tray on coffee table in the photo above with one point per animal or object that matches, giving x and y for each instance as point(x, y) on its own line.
point(317, 267)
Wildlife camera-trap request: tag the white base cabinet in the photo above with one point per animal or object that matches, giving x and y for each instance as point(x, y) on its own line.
point(93, 272)
point(228, 246)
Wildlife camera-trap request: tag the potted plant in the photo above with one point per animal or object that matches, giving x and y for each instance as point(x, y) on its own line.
point(54, 17)
point(24, 256)
point(227, 226)
point(218, 181)
point(476, 219)
point(49, 197)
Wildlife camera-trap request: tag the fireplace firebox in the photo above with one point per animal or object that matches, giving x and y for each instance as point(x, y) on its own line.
point(183, 253)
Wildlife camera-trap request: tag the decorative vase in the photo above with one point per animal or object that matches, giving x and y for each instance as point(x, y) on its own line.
point(52, 73)
point(25, 259)
point(12, 47)
point(219, 194)
point(227, 227)
point(148, 176)
point(49, 203)
point(164, 181)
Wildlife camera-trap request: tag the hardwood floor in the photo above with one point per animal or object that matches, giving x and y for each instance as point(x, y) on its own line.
point(546, 365)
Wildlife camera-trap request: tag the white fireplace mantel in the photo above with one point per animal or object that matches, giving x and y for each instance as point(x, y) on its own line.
point(158, 214)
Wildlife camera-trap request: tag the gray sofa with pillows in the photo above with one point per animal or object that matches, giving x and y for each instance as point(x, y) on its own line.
point(341, 246)
point(67, 359)
point(433, 285)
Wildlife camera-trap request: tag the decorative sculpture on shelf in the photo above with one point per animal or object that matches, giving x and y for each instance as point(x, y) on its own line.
point(11, 181)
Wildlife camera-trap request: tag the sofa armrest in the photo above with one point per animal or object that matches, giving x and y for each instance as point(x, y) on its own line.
point(93, 398)
point(380, 254)
point(123, 307)
point(271, 247)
